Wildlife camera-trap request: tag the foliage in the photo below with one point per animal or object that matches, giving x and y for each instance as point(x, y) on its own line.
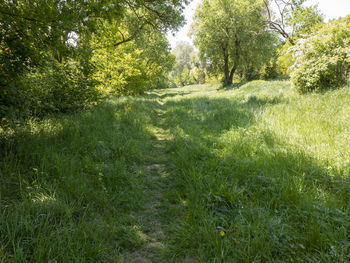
point(200, 68)
point(50, 41)
point(230, 35)
point(31, 29)
point(52, 88)
point(285, 59)
point(183, 72)
point(323, 60)
point(291, 19)
point(56, 88)
point(269, 71)
point(131, 68)
point(280, 63)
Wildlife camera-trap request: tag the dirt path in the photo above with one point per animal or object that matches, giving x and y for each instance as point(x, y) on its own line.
point(154, 248)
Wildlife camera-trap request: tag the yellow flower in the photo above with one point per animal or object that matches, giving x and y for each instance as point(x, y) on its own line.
point(127, 107)
point(222, 233)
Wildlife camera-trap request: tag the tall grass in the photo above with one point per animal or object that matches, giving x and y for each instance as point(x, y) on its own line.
point(253, 174)
point(69, 185)
point(262, 174)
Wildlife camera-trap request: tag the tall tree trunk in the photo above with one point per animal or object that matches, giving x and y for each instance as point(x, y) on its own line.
point(236, 59)
point(228, 78)
point(232, 72)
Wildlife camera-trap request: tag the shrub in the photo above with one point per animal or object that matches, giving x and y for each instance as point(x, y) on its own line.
point(50, 89)
point(57, 88)
point(285, 59)
point(269, 71)
point(323, 60)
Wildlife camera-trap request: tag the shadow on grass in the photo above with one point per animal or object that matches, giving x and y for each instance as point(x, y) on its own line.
point(233, 86)
point(72, 183)
point(213, 115)
point(274, 201)
point(159, 94)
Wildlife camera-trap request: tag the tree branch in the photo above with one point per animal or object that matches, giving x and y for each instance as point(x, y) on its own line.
point(279, 28)
point(122, 42)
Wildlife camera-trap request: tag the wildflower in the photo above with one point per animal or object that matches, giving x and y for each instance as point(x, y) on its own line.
point(222, 233)
point(127, 108)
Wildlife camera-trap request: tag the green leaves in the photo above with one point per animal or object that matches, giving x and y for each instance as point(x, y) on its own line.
point(232, 36)
point(291, 19)
point(132, 67)
point(183, 72)
point(323, 60)
point(65, 46)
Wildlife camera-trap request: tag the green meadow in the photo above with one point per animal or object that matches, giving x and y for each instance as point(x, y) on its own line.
point(250, 173)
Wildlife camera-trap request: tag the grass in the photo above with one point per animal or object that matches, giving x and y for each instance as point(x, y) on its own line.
point(196, 174)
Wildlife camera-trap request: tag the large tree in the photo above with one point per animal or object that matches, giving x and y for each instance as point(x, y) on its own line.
point(231, 35)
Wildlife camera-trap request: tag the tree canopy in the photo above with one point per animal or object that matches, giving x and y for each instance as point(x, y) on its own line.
point(231, 36)
point(52, 42)
point(292, 18)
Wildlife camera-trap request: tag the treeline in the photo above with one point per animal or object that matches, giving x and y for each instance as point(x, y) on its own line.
point(59, 56)
point(251, 39)
point(189, 68)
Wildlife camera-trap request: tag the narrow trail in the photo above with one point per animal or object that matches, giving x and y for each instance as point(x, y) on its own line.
point(154, 248)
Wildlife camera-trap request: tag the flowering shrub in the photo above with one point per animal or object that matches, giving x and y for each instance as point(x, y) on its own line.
point(323, 60)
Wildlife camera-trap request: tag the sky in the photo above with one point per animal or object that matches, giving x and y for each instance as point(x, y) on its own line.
point(330, 8)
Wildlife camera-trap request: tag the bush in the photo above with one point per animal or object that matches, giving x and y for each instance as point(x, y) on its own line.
point(53, 88)
point(285, 59)
point(269, 71)
point(323, 60)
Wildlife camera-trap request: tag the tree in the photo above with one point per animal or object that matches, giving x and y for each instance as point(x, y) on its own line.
point(30, 30)
point(199, 68)
point(182, 72)
point(231, 35)
point(36, 39)
point(291, 19)
point(183, 53)
point(130, 68)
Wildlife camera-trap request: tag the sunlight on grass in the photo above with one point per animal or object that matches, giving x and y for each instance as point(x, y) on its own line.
point(252, 174)
point(265, 164)
point(44, 198)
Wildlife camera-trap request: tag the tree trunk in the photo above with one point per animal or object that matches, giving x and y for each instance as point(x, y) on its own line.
point(228, 78)
point(236, 59)
point(202, 77)
point(233, 70)
point(230, 73)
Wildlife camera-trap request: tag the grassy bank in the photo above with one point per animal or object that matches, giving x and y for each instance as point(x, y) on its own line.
point(262, 173)
point(254, 174)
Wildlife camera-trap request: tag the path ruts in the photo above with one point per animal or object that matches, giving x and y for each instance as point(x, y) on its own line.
point(154, 248)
